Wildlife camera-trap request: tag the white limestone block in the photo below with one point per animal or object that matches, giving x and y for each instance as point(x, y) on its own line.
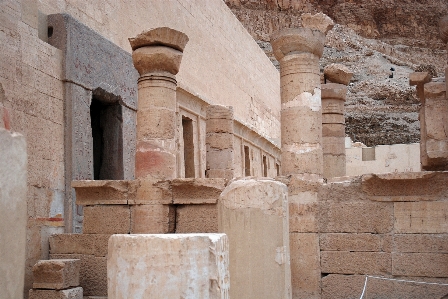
point(13, 214)
point(186, 266)
point(253, 213)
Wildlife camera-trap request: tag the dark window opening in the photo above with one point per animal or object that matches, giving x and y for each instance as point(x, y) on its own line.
point(187, 127)
point(246, 161)
point(368, 154)
point(107, 134)
point(277, 166)
point(265, 167)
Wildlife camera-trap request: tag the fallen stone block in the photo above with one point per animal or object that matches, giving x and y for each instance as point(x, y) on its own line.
point(74, 293)
point(318, 21)
point(56, 274)
point(92, 273)
point(338, 73)
point(176, 265)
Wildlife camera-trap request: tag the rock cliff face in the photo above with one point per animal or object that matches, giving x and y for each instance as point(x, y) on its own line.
point(381, 41)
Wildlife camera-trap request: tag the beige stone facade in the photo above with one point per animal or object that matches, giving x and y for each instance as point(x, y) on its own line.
point(142, 136)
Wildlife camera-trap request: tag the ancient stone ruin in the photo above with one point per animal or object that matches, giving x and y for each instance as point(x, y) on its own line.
point(182, 164)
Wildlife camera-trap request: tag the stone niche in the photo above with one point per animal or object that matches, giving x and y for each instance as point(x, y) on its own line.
point(100, 105)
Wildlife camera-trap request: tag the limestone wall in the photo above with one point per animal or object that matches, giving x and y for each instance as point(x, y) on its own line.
point(386, 225)
point(382, 159)
point(216, 69)
point(221, 64)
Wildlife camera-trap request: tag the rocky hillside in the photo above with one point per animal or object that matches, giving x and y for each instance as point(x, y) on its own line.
point(381, 41)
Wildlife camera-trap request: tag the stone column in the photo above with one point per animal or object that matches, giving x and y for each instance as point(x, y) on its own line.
point(298, 51)
point(219, 142)
point(157, 55)
point(333, 122)
point(164, 266)
point(253, 213)
point(333, 129)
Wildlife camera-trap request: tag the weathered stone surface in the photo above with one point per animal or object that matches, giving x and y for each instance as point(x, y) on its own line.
point(419, 243)
point(164, 36)
point(13, 213)
point(254, 215)
point(56, 274)
point(345, 262)
point(104, 192)
point(349, 217)
point(197, 191)
point(73, 293)
point(305, 265)
point(92, 273)
point(405, 186)
point(421, 217)
point(152, 219)
point(219, 142)
point(178, 266)
point(443, 27)
point(335, 286)
point(153, 192)
point(293, 40)
point(355, 242)
point(202, 218)
point(419, 78)
point(157, 59)
point(435, 89)
point(303, 201)
point(338, 73)
point(420, 264)
point(107, 219)
point(318, 21)
point(87, 244)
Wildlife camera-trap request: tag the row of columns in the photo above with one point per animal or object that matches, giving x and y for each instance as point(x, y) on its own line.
point(310, 137)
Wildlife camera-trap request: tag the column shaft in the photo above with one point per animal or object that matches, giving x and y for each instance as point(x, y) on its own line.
point(156, 126)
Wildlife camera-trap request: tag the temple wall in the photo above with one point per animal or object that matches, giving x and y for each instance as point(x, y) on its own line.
point(215, 66)
point(215, 69)
point(387, 225)
point(382, 159)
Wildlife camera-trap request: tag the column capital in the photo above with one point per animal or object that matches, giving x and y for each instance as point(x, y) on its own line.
point(297, 40)
point(334, 91)
point(158, 50)
point(443, 28)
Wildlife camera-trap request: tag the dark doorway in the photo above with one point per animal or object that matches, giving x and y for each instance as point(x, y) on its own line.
point(246, 161)
point(107, 133)
point(187, 127)
point(265, 167)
